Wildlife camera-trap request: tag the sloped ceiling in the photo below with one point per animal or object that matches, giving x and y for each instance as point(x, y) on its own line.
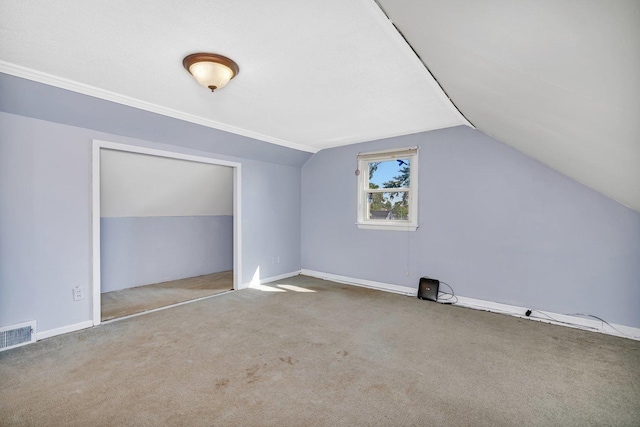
point(558, 80)
point(141, 185)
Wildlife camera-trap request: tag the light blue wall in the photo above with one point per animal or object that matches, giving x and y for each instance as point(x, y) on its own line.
point(39, 101)
point(138, 251)
point(45, 223)
point(45, 215)
point(494, 223)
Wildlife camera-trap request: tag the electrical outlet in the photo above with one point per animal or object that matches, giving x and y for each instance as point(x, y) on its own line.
point(77, 293)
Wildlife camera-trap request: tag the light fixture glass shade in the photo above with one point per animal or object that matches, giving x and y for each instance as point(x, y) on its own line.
point(210, 70)
point(210, 74)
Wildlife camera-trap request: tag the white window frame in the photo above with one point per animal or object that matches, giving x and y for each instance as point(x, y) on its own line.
point(363, 220)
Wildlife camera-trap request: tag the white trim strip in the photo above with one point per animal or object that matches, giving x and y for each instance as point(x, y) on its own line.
point(269, 279)
point(494, 307)
point(153, 310)
point(237, 230)
point(388, 154)
point(163, 153)
point(64, 330)
point(404, 290)
point(577, 322)
point(96, 301)
point(95, 221)
point(386, 227)
point(62, 83)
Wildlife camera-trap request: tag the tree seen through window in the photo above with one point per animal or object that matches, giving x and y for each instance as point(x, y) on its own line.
point(392, 174)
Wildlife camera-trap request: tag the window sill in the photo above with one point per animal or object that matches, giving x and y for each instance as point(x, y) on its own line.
point(386, 227)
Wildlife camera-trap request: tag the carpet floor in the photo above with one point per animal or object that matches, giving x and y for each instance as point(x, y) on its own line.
point(124, 302)
point(307, 352)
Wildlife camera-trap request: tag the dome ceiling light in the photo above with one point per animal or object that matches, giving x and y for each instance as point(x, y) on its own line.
point(211, 70)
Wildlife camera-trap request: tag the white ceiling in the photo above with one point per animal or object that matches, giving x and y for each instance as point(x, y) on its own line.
point(558, 80)
point(141, 185)
point(313, 74)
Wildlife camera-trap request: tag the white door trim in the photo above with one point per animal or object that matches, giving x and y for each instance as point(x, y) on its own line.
point(95, 210)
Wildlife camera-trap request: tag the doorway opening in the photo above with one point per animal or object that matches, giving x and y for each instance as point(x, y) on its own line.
point(166, 229)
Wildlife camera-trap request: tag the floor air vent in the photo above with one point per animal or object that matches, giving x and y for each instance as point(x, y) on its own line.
point(17, 335)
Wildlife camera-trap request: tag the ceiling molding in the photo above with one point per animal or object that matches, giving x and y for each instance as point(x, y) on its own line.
point(403, 45)
point(397, 134)
point(62, 83)
point(411, 52)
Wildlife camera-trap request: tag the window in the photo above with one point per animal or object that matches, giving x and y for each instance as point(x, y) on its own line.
point(388, 190)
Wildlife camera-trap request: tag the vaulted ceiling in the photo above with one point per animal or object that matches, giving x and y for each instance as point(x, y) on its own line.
point(559, 81)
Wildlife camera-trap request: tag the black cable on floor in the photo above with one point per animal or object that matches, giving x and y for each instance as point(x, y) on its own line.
point(451, 295)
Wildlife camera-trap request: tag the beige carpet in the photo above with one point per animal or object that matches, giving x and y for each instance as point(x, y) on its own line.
point(339, 356)
point(143, 298)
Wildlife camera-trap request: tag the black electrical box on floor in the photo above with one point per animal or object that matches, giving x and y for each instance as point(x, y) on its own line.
point(428, 289)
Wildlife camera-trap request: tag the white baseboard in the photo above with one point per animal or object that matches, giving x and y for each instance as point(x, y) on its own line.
point(477, 304)
point(257, 282)
point(64, 330)
point(571, 321)
point(404, 290)
point(83, 325)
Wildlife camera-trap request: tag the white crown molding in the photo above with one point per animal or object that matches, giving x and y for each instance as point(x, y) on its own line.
point(62, 83)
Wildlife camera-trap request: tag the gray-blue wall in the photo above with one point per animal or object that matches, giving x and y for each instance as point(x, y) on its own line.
point(39, 101)
point(45, 211)
point(138, 251)
point(494, 223)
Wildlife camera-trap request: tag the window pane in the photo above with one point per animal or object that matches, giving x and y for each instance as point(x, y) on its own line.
point(389, 206)
point(389, 174)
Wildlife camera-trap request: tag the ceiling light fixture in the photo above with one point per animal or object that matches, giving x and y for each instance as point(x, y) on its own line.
point(211, 70)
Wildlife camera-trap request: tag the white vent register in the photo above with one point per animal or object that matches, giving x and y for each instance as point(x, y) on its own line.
point(17, 335)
